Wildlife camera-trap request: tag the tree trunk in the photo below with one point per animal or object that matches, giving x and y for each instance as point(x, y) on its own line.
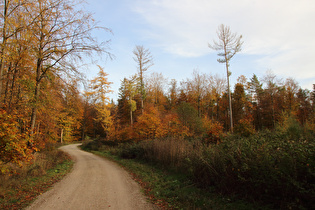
point(35, 108)
point(36, 94)
point(4, 41)
point(141, 88)
point(229, 92)
point(61, 136)
point(131, 120)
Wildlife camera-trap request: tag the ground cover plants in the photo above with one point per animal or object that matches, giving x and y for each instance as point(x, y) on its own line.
point(19, 186)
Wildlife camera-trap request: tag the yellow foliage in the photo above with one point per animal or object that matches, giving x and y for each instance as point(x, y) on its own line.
point(148, 124)
point(104, 117)
point(15, 146)
point(100, 87)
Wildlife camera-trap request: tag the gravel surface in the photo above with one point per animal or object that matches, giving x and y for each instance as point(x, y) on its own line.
point(93, 183)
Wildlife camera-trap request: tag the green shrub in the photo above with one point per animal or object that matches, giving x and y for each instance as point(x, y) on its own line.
point(132, 151)
point(274, 167)
point(270, 167)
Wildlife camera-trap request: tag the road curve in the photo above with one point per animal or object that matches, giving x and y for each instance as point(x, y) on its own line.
point(93, 183)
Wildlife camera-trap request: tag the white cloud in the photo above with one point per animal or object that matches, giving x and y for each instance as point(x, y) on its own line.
point(280, 31)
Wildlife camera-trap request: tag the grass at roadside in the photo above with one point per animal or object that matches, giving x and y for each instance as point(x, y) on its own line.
point(19, 190)
point(171, 190)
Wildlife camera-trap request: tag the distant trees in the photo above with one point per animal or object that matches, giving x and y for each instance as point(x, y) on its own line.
point(228, 45)
point(198, 105)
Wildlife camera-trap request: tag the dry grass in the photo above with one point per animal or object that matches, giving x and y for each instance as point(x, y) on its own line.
point(170, 152)
point(16, 176)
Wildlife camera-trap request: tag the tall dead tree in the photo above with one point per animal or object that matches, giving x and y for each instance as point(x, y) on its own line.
point(228, 45)
point(144, 61)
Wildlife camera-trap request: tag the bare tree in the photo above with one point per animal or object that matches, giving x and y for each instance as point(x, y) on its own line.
point(173, 93)
point(196, 86)
point(144, 61)
point(228, 45)
point(217, 86)
point(155, 84)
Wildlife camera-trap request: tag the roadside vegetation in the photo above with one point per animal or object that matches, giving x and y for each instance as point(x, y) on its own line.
point(20, 185)
point(271, 169)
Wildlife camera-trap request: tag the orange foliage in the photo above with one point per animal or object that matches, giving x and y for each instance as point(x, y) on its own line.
point(174, 127)
point(149, 124)
point(125, 134)
point(213, 130)
point(15, 146)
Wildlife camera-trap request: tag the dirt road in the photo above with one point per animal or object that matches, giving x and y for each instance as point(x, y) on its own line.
point(94, 183)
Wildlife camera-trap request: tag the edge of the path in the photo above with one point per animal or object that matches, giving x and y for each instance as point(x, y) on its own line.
point(30, 181)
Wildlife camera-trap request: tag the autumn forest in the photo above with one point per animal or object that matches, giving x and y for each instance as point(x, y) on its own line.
point(45, 99)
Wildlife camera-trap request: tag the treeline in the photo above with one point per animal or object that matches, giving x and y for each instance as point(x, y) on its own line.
point(198, 106)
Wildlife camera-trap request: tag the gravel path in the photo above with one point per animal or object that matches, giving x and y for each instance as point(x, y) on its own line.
point(94, 183)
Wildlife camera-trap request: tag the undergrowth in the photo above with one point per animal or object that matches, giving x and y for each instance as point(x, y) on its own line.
point(169, 189)
point(274, 168)
point(22, 185)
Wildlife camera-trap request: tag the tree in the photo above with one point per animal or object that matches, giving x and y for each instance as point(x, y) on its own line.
point(291, 87)
point(10, 26)
point(155, 85)
point(13, 144)
point(173, 94)
point(196, 89)
point(100, 87)
point(131, 88)
point(271, 104)
point(313, 98)
point(144, 61)
point(218, 86)
point(61, 34)
point(127, 103)
point(72, 112)
point(149, 124)
point(99, 90)
point(239, 101)
point(304, 106)
point(188, 115)
point(228, 45)
point(213, 130)
point(255, 97)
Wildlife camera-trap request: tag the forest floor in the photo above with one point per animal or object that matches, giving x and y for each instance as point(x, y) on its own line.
point(94, 183)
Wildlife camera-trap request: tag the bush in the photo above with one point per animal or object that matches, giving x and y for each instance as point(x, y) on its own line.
point(132, 151)
point(244, 127)
point(272, 167)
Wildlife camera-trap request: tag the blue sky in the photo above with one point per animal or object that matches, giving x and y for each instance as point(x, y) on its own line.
point(278, 35)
